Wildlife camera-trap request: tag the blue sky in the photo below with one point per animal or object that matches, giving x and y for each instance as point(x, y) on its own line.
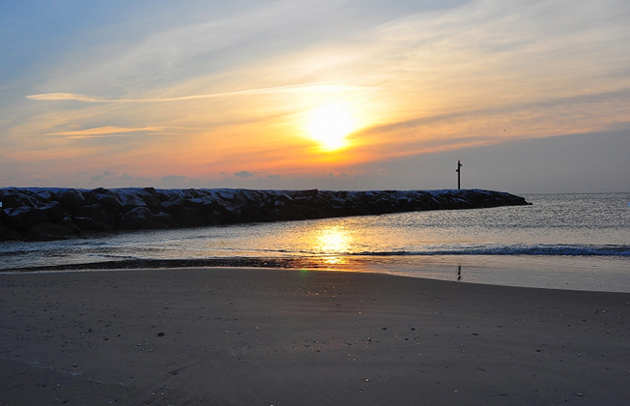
point(231, 94)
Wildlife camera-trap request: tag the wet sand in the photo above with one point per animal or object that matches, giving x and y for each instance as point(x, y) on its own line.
point(286, 337)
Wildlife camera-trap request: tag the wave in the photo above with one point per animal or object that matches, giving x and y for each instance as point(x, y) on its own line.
point(542, 249)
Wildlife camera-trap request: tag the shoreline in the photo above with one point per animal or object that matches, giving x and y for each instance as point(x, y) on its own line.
point(276, 336)
point(561, 273)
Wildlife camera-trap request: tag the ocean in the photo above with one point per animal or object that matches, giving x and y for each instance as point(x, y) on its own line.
point(561, 241)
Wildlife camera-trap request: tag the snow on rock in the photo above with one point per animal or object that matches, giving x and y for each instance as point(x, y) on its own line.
point(54, 213)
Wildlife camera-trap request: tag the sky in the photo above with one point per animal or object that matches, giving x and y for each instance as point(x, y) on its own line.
point(293, 94)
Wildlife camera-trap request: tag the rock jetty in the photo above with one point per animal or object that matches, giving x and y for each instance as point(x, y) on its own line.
point(40, 214)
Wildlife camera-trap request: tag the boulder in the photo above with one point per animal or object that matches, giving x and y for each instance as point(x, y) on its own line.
point(106, 199)
point(21, 219)
point(72, 201)
point(193, 217)
point(151, 199)
point(6, 234)
point(95, 218)
point(139, 218)
point(49, 232)
point(44, 196)
point(165, 220)
point(54, 211)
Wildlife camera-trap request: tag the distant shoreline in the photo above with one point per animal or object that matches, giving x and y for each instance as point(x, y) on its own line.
point(44, 214)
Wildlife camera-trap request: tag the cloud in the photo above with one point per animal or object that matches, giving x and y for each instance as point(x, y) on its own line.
point(109, 179)
point(175, 180)
point(88, 99)
point(105, 131)
point(64, 96)
point(244, 174)
point(583, 101)
point(197, 40)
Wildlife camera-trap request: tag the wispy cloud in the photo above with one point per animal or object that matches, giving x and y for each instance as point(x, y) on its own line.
point(88, 99)
point(105, 132)
point(64, 96)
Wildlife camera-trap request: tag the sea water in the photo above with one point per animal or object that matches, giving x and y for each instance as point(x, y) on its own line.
point(565, 241)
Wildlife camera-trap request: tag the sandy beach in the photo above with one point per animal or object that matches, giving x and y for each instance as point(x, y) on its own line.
point(289, 337)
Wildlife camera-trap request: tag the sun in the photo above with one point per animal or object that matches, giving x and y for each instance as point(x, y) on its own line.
point(330, 124)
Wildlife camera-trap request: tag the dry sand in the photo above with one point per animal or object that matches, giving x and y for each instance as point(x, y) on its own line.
point(283, 337)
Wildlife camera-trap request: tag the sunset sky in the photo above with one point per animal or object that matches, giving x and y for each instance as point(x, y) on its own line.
point(359, 94)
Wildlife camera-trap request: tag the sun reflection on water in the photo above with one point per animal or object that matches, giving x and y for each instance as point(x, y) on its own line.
point(333, 243)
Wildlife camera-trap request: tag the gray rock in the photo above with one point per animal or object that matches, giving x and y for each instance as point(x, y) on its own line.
point(21, 219)
point(48, 232)
point(72, 201)
point(139, 218)
point(54, 211)
point(6, 234)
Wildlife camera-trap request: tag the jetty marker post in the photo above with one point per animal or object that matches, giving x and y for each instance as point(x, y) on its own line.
point(458, 170)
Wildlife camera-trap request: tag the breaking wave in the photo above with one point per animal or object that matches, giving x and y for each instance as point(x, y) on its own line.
point(542, 249)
